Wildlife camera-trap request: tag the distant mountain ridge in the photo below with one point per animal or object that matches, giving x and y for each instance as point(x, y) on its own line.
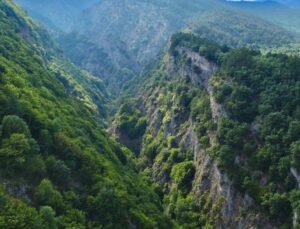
point(292, 3)
point(238, 30)
point(59, 13)
point(285, 14)
point(116, 39)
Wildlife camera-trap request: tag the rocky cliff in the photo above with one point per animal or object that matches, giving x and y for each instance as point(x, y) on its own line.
point(176, 132)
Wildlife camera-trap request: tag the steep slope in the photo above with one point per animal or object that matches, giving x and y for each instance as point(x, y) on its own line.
point(59, 168)
point(57, 13)
point(121, 37)
point(117, 39)
point(240, 30)
point(222, 135)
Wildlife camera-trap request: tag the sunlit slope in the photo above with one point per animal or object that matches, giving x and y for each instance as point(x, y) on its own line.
point(59, 168)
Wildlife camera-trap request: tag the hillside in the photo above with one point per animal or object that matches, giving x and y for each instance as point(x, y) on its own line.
point(59, 167)
point(118, 39)
point(121, 37)
point(240, 30)
point(278, 14)
point(290, 3)
point(59, 14)
point(222, 135)
point(146, 27)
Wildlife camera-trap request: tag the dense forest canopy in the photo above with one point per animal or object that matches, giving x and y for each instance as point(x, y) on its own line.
point(59, 168)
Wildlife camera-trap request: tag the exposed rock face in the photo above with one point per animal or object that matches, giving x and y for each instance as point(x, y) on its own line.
point(16, 189)
point(296, 175)
point(229, 207)
point(207, 71)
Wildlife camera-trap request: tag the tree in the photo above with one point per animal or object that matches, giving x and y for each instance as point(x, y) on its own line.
point(45, 140)
point(45, 194)
point(226, 156)
point(295, 150)
point(73, 219)
point(183, 174)
point(58, 171)
point(293, 131)
point(48, 218)
point(239, 59)
point(111, 204)
point(17, 215)
point(13, 124)
point(14, 150)
point(278, 205)
point(35, 167)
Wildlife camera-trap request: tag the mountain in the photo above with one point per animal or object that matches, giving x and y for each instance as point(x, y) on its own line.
point(291, 3)
point(240, 30)
point(125, 35)
point(283, 2)
point(222, 134)
point(57, 13)
point(279, 14)
point(59, 168)
point(118, 39)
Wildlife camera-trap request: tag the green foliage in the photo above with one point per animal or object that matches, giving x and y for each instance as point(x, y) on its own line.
point(16, 214)
point(56, 156)
point(46, 194)
point(14, 150)
point(58, 171)
point(18, 150)
point(279, 206)
point(235, 29)
point(187, 212)
point(206, 48)
point(257, 139)
point(222, 92)
point(12, 124)
point(260, 95)
point(295, 150)
point(131, 121)
point(48, 218)
point(73, 219)
point(183, 174)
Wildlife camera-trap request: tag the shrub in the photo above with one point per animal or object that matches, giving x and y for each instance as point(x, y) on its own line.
point(13, 124)
point(183, 174)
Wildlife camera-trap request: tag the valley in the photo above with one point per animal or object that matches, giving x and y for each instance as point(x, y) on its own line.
point(149, 114)
point(100, 42)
